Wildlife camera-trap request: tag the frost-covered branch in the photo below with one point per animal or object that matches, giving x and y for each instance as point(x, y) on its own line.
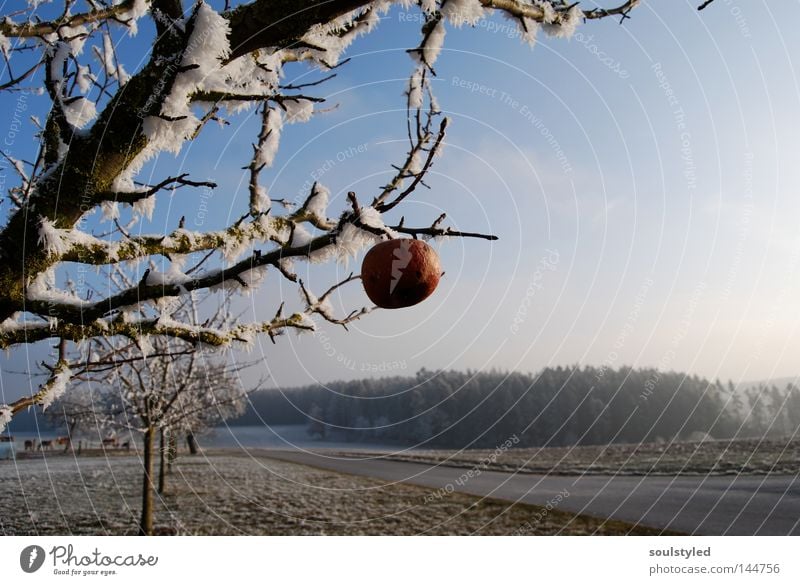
point(412, 170)
point(83, 369)
point(351, 236)
point(314, 209)
point(170, 183)
point(41, 29)
point(230, 242)
point(263, 24)
point(49, 391)
point(420, 139)
point(137, 328)
point(543, 11)
point(436, 231)
point(286, 101)
point(322, 307)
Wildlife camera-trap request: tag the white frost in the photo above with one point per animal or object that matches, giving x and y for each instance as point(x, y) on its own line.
point(331, 39)
point(371, 217)
point(528, 29)
point(415, 165)
point(43, 289)
point(351, 240)
point(265, 155)
point(234, 247)
point(61, 53)
point(461, 12)
point(145, 206)
point(567, 25)
point(298, 110)
point(78, 36)
point(168, 135)
point(259, 200)
point(110, 210)
point(300, 236)
point(428, 6)
point(85, 78)
point(254, 277)
point(317, 203)
point(5, 44)
point(138, 10)
point(432, 46)
point(11, 324)
point(205, 49)
point(414, 89)
point(252, 280)
point(79, 112)
point(19, 166)
point(324, 308)
point(323, 255)
point(166, 306)
point(304, 320)
point(259, 230)
point(5, 416)
point(547, 8)
point(145, 345)
point(56, 386)
point(106, 56)
point(51, 238)
point(173, 276)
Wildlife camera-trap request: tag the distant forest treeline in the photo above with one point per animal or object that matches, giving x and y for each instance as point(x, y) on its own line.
point(558, 406)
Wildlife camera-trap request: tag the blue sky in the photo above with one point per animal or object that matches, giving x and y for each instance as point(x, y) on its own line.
point(642, 178)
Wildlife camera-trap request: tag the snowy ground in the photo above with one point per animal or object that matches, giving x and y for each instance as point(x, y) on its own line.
point(750, 457)
point(232, 493)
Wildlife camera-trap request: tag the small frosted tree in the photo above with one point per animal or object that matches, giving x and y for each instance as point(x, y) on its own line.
point(163, 396)
point(108, 118)
point(157, 387)
point(76, 411)
point(158, 397)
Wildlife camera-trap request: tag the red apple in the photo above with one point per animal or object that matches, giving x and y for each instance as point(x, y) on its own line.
point(400, 273)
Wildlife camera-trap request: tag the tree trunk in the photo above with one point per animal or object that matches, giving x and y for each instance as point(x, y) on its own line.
point(173, 451)
point(146, 523)
point(162, 464)
point(192, 442)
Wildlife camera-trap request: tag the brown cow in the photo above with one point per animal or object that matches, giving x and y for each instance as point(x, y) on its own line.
point(30, 444)
point(110, 442)
point(45, 445)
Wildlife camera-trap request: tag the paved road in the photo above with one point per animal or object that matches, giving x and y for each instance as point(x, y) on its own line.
point(743, 505)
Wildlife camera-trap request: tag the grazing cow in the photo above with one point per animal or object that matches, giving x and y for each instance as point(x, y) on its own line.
point(63, 442)
point(30, 445)
point(110, 442)
point(45, 445)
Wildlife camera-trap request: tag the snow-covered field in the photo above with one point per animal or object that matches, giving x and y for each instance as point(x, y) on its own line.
point(742, 456)
point(232, 493)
